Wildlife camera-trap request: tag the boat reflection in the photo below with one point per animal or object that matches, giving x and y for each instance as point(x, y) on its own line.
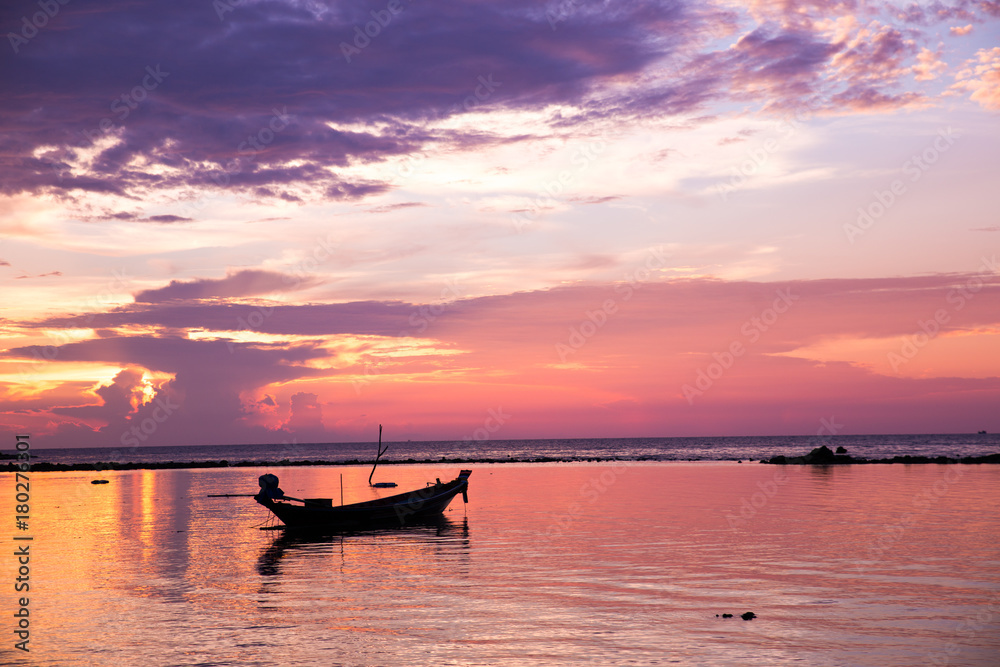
point(436, 532)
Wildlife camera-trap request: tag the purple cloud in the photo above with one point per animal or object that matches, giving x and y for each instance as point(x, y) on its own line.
point(485, 316)
point(233, 99)
point(135, 217)
point(306, 414)
point(40, 275)
point(117, 398)
point(250, 282)
point(202, 403)
point(227, 103)
point(360, 317)
point(395, 207)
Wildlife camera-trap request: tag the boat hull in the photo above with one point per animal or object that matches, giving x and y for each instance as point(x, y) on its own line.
point(399, 510)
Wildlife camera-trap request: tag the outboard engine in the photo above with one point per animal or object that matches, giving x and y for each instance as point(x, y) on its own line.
point(269, 487)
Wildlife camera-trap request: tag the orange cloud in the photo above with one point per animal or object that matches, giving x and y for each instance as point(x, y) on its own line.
point(981, 77)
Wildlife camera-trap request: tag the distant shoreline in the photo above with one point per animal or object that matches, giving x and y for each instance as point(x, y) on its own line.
point(43, 466)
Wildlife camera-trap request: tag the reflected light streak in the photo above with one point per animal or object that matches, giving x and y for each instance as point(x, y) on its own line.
point(147, 517)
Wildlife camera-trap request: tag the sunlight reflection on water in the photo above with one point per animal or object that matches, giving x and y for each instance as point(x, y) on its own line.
point(548, 564)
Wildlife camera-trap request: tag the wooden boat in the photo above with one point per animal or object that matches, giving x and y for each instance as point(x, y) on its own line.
point(399, 510)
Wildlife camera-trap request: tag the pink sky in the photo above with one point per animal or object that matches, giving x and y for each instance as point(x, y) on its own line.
point(653, 220)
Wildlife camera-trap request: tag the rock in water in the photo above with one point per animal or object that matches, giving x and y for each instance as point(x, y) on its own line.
point(820, 455)
point(747, 616)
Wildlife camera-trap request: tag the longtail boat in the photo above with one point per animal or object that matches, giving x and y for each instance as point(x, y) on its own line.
point(398, 510)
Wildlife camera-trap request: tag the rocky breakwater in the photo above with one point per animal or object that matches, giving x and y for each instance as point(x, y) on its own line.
point(825, 456)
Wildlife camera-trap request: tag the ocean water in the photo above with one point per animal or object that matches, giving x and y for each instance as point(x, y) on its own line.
point(624, 563)
point(657, 449)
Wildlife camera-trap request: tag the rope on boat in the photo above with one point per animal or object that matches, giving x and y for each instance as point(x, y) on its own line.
point(266, 520)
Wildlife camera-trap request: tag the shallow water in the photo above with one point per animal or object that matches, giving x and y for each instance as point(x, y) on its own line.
point(656, 449)
point(548, 564)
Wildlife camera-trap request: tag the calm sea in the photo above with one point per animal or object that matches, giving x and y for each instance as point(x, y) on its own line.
point(657, 449)
point(548, 564)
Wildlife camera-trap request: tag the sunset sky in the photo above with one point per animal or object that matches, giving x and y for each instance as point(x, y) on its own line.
point(249, 221)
